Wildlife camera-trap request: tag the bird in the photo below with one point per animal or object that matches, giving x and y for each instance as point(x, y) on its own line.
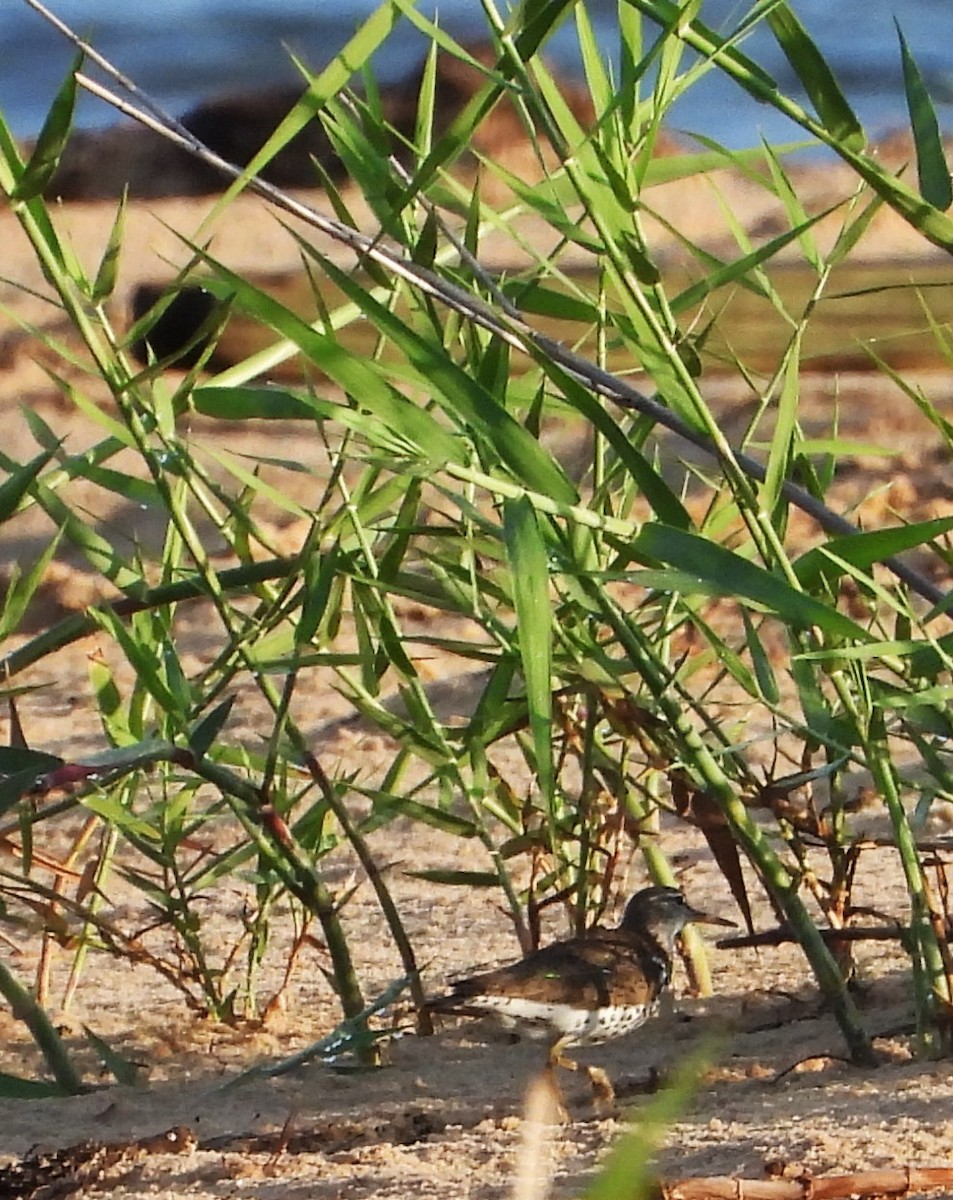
point(585, 990)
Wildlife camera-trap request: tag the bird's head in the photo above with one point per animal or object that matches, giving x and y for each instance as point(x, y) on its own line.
point(662, 913)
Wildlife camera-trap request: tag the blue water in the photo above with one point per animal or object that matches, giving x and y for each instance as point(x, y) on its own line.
point(183, 50)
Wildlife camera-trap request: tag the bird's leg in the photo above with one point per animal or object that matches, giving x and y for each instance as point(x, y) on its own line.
point(555, 1059)
point(603, 1093)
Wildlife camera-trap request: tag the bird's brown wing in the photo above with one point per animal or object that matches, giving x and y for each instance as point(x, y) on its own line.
point(606, 967)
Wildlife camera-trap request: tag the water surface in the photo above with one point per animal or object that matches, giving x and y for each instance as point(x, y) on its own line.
point(183, 50)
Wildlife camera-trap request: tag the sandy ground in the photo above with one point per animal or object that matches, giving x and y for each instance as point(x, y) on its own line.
point(443, 1116)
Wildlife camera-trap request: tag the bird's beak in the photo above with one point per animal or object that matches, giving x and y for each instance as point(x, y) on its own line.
point(703, 918)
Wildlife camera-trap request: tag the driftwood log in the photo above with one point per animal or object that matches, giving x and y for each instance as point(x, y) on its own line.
point(863, 1185)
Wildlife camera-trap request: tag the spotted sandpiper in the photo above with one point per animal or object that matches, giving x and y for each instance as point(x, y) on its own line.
point(588, 989)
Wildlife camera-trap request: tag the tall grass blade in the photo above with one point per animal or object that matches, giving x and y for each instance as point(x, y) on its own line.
point(628, 1170)
point(815, 74)
point(727, 574)
point(51, 141)
point(18, 482)
point(526, 553)
point(42, 1030)
point(933, 171)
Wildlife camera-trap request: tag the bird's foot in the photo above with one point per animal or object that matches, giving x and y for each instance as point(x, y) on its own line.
point(603, 1092)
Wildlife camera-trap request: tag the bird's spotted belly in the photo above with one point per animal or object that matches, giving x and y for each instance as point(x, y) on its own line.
point(580, 1026)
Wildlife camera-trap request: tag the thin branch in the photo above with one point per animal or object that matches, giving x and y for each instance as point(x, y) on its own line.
point(780, 934)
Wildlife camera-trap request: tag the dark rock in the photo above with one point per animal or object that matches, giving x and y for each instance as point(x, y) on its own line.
point(236, 127)
point(176, 336)
point(99, 164)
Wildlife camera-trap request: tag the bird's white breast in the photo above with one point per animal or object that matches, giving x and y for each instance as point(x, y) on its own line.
point(551, 1017)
